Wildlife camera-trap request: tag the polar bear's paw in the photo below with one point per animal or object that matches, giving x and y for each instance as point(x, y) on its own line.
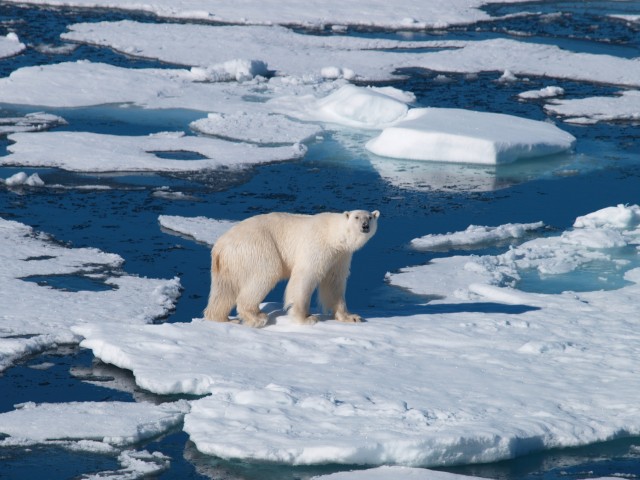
point(256, 321)
point(349, 318)
point(309, 320)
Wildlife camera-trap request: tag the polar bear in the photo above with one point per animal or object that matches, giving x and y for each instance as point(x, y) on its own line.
point(312, 251)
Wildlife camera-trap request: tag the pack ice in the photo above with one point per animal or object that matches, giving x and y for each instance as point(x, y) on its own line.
point(35, 317)
point(482, 372)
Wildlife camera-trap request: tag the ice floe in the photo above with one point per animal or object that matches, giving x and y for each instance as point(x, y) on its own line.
point(484, 372)
point(92, 152)
point(10, 45)
point(116, 424)
point(368, 59)
point(31, 122)
point(36, 317)
point(402, 14)
point(256, 127)
point(623, 107)
point(21, 178)
point(202, 229)
point(106, 428)
point(456, 135)
point(475, 235)
point(546, 92)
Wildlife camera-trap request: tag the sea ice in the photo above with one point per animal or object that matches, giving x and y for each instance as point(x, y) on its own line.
point(456, 135)
point(92, 152)
point(260, 128)
point(21, 178)
point(402, 14)
point(475, 235)
point(546, 92)
point(117, 424)
point(10, 45)
point(623, 107)
point(485, 372)
point(32, 122)
point(35, 317)
point(349, 106)
point(394, 473)
point(201, 229)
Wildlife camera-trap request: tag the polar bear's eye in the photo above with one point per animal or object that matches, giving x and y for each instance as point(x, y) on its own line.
point(357, 217)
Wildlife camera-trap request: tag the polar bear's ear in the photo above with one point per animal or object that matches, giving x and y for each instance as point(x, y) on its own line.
point(346, 214)
point(375, 214)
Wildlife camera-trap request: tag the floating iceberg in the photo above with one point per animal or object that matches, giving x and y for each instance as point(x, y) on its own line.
point(455, 135)
point(474, 236)
point(32, 122)
point(623, 107)
point(201, 229)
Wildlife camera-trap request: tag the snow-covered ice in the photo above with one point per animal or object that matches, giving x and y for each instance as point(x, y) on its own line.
point(368, 59)
point(201, 229)
point(622, 107)
point(10, 45)
point(93, 152)
point(474, 236)
point(546, 92)
point(21, 178)
point(403, 14)
point(36, 317)
point(116, 424)
point(483, 373)
point(456, 135)
point(260, 128)
point(106, 428)
point(31, 122)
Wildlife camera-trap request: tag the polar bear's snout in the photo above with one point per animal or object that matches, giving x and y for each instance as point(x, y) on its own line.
point(365, 226)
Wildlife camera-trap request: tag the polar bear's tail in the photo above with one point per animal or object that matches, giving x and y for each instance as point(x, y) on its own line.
point(222, 296)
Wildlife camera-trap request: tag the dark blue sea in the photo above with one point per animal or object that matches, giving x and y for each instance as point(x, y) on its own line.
point(124, 219)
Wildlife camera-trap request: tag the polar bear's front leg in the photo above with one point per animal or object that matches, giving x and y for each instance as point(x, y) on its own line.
point(333, 288)
point(297, 297)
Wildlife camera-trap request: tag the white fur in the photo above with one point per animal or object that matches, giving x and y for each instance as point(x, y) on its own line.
point(312, 251)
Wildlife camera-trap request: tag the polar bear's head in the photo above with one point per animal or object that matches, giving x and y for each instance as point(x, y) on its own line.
point(361, 226)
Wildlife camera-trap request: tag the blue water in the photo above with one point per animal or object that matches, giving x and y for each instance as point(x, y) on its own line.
point(604, 171)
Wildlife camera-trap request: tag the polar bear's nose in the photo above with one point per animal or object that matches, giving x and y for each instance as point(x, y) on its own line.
point(365, 227)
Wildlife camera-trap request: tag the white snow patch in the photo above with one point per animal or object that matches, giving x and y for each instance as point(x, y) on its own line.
point(456, 135)
point(475, 235)
point(92, 152)
point(260, 128)
point(35, 317)
point(464, 387)
point(232, 70)
point(623, 107)
point(201, 229)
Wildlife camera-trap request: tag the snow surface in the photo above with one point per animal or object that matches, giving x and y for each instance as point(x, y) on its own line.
point(403, 14)
point(456, 135)
point(483, 373)
point(93, 152)
point(21, 178)
point(474, 236)
point(623, 107)
point(36, 317)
